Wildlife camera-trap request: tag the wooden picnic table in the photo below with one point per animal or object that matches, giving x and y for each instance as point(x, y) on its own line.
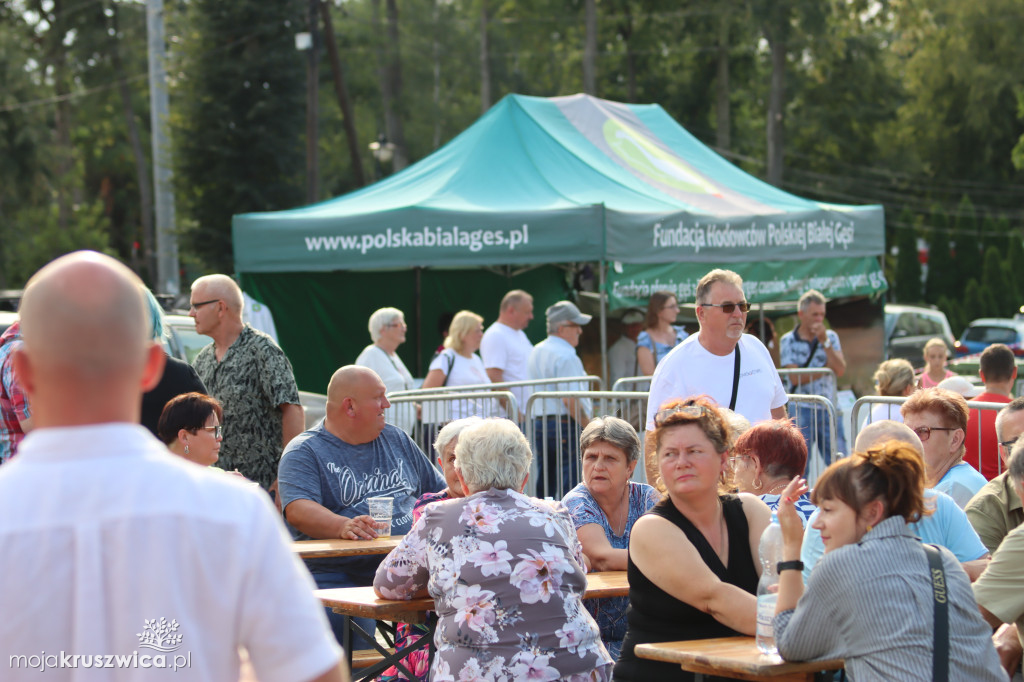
point(321, 549)
point(734, 657)
point(362, 602)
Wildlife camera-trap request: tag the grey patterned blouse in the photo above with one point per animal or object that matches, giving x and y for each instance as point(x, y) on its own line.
point(506, 575)
point(250, 381)
point(871, 604)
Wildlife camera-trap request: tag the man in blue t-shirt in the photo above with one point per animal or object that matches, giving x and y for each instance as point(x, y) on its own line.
point(328, 472)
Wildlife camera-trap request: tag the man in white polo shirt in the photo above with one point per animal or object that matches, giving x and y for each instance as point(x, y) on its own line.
point(116, 552)
point(505, 348)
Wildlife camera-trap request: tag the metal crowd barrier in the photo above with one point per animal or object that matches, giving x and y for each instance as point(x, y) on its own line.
point(434, 410)
point(553, 430)
point(976, 410)
point(816, 417)
point(590, 379)
point(642, 383)
point(891, 404)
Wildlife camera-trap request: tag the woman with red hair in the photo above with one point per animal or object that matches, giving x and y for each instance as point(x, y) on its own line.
point(766, 458)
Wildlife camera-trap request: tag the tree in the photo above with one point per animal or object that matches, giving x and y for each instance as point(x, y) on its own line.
point(940, 261)
point(239, 121)
point(955, 314)
point(907, 287)
point(996, 286)
point(976, 303)
point(968, 246)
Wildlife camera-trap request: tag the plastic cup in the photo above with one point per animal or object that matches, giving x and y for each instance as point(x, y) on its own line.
point(380, 512)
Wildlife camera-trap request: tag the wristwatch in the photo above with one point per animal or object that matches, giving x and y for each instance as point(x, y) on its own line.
point(789, 566)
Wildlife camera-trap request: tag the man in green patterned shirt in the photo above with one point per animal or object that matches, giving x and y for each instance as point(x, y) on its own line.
point(249, 374)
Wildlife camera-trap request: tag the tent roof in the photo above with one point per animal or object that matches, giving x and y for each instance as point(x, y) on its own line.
point(559, 179)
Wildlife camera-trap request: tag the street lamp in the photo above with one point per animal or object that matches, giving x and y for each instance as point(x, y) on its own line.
point(383, 151)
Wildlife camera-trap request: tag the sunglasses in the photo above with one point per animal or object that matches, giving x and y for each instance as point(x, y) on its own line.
point(691, 411)
point(728, 308)
point(218, 430)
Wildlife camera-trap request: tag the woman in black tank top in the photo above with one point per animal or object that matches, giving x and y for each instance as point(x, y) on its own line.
point(691, 567)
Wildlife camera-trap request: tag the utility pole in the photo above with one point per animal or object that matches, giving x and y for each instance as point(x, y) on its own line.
point(168, 279)
point(312, 105)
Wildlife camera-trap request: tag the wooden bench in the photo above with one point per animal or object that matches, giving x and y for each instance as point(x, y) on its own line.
point(364, 658)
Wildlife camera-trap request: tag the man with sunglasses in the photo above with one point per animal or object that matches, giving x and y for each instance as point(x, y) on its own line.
point(251, 376)
point(996, 509)
point(939, 418)
point(734, 368)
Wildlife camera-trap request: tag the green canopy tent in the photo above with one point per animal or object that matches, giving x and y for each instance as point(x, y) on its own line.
point(541, 181)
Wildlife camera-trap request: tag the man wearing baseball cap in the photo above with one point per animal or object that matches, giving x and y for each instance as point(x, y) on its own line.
point(558, 422)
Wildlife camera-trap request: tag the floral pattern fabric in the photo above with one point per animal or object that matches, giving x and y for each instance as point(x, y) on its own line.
point(506, 574)
point(610, 613)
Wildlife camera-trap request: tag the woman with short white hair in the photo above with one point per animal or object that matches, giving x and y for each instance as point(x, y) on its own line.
point(505, 571)
point(387, 331)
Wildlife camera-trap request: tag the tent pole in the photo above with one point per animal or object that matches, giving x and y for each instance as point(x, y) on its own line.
point(760, 309)
point(419, 321)
point(604, 325)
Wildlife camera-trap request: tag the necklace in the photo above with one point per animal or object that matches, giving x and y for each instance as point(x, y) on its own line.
point(777, 488)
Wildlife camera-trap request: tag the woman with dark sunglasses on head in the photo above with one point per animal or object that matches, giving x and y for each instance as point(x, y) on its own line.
point(691, 563)
point(190, 427)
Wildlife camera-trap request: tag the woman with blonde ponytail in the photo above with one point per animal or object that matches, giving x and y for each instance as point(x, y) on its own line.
point(871, 600)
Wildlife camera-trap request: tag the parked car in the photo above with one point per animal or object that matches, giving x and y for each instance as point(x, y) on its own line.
point(908, 328)
point(983, 332)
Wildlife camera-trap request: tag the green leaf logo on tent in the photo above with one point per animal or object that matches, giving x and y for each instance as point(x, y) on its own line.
point(653, 162)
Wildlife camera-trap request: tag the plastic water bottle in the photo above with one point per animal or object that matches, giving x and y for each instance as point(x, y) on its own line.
point(770, 553)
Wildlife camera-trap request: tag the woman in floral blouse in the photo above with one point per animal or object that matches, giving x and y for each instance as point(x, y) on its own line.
point(505, 571)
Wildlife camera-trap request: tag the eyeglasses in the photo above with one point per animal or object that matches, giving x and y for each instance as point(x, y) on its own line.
point(925, 432)
point(728, 308)
point(1008, 444)
point(197, 306)
point(670, 306)
point(733, 461)
point(218, 430)
point(692, 411)
point(395, 324)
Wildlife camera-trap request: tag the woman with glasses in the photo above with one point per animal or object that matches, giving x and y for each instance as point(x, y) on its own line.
point(872, 598)
point(691, 567)
point(766, 458)
point(660, 334)
point(190, 427)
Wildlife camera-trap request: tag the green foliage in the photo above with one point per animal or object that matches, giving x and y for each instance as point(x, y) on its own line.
point(238, 117)
point(975, 302)
point(907, 284)
point(39, 238)
point(996, 286)
point(955, 314)
point(940, 262)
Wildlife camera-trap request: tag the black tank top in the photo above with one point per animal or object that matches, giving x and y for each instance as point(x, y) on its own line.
point(656, 616)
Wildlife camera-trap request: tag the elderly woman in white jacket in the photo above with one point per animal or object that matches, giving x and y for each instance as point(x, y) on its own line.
point(387, 330)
